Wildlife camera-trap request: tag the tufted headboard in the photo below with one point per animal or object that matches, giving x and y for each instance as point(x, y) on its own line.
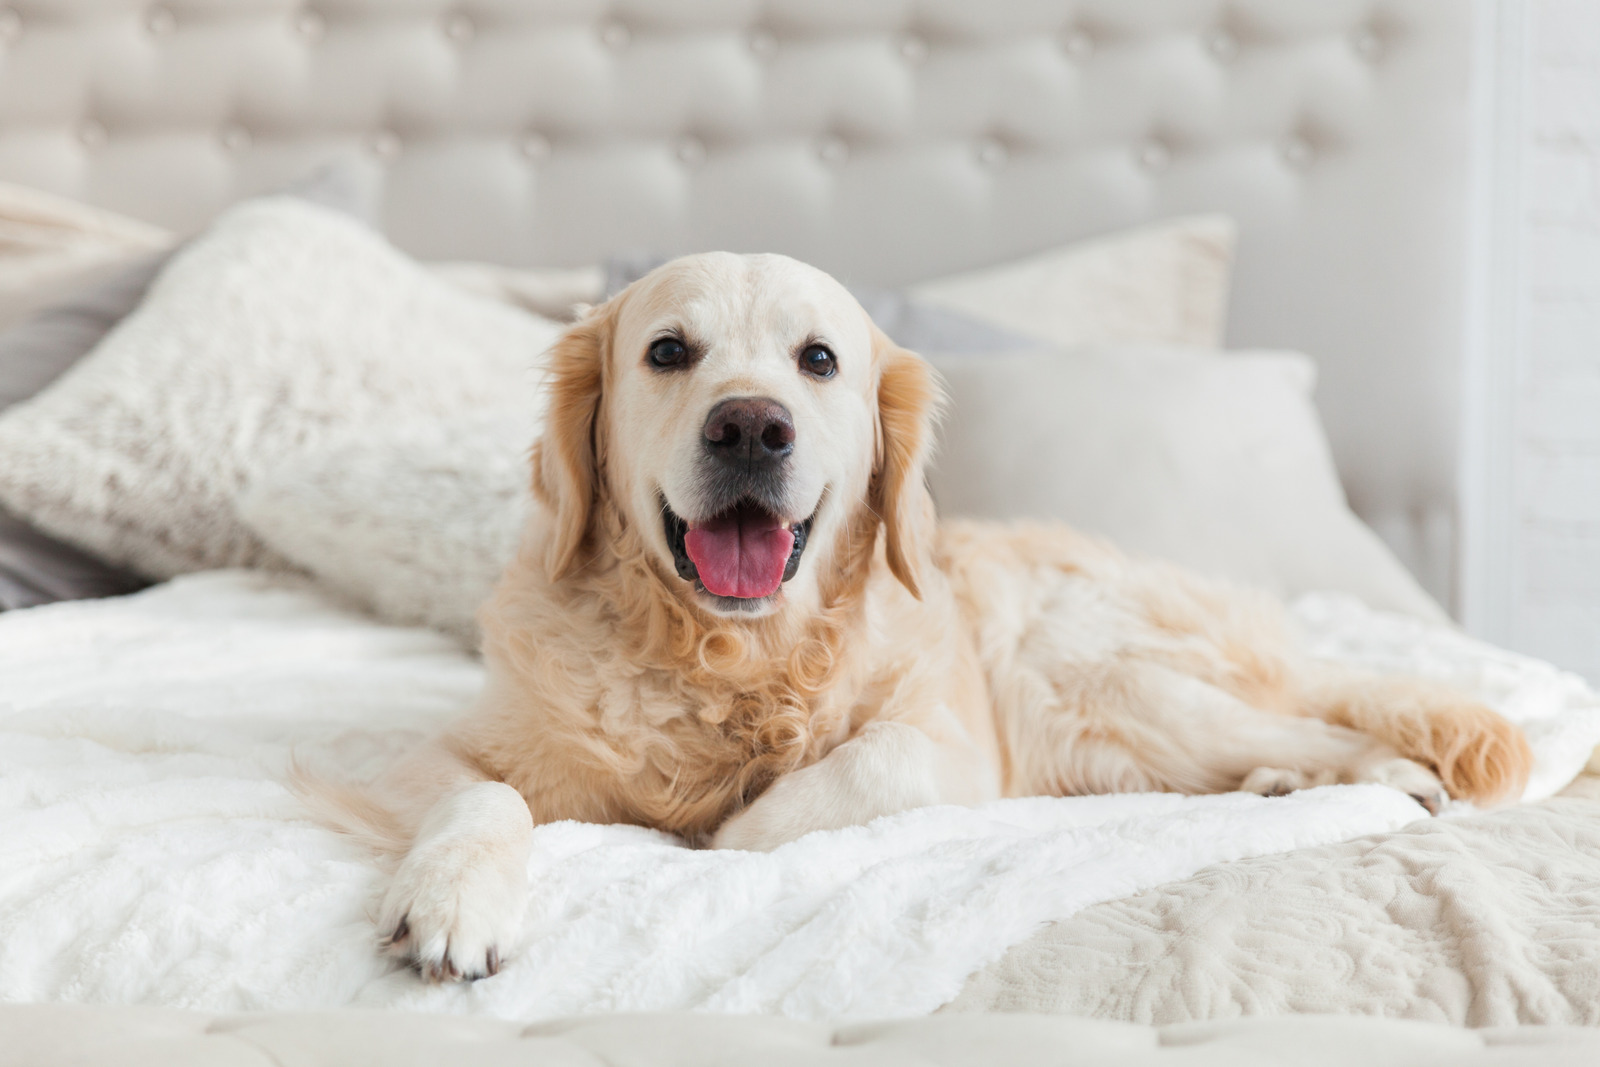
point(883, 140)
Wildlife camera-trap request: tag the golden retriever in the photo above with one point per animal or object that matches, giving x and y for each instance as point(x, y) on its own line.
point(735, 617)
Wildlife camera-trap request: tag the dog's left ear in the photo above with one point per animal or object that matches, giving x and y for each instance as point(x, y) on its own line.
point(910, 399)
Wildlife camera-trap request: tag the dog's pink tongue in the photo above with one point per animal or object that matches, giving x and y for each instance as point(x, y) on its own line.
point(740, 554)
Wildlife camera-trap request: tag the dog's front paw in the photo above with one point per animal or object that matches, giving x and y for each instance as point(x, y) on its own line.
point(455, 905)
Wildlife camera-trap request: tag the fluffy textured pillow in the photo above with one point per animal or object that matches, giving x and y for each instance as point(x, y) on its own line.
point(37, 569)
point(1166, 283)
point(1218, 462)
point(283, 324)
point(413, 523)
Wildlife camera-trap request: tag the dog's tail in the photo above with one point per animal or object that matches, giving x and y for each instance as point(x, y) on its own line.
point(349, 808)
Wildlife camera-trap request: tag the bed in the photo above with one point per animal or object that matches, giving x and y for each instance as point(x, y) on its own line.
point(165, 895)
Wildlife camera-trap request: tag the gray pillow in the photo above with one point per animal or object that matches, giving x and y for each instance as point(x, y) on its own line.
point(37, 569)
point(928, 330)
point(42, 347)
point(34, 567)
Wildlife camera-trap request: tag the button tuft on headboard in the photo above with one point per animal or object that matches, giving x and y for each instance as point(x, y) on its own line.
point(534, 147)
point(235, 138)
point(992, 153)
point(384, 144)
point(691, 151)
point(762, 42)
point(615, 35)
point(160, 21)
point(1223, 46)
point(1077, 43)
point(91, 134)
point(1154, 155)
point(833, 150)
point(1297, 151)
point(913, 48)
point(458, 27)
point(1368, 44)
point(309, 25)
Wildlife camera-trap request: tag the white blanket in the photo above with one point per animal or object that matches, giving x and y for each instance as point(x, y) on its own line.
point(150, 854)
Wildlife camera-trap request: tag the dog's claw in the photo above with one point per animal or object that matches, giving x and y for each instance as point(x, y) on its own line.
point(1431, 801)
point(401, 931)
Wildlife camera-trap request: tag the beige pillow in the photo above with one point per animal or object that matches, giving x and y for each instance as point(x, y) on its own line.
point(1215, 461)
point(283, 325)
point(50, 245)
point(1166, 283)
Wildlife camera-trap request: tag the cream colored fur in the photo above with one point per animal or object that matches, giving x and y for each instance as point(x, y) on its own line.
point(905, 664)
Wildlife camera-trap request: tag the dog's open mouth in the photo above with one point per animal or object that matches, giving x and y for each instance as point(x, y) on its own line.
point(743, 553)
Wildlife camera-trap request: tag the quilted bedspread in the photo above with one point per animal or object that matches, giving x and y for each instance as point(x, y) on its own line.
point(1491, 920)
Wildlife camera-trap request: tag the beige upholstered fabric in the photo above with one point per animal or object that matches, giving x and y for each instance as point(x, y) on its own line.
point(886, 142)
point(59, 1035)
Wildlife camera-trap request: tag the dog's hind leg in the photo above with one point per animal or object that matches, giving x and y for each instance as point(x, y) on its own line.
point(1477, 754)
point(1133, 725)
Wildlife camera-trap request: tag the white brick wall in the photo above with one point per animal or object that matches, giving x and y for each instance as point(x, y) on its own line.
point(1555, 473)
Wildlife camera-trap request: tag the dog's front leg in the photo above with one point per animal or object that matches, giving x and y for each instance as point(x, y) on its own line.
point(887, 767)
point(455, 904)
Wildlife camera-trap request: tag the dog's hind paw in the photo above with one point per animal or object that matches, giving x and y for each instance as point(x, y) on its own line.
point(1411, 778)
point(1273, 782)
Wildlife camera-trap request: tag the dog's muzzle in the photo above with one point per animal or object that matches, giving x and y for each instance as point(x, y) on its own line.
point(743, 547)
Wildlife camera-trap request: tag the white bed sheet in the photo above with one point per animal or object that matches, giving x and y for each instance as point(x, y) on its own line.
point(150, 854)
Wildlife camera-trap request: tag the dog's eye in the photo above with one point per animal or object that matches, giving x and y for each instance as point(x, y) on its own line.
point(667, 353)
point(818, 362)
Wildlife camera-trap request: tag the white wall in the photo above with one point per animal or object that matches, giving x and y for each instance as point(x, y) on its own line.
point(1533, 578)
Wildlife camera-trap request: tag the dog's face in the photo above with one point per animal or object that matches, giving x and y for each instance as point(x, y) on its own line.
point(735, 410)
point(740, 406)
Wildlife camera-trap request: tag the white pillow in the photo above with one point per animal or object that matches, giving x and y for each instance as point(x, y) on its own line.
point(283, 325)
point(1215, 461)
point(1166, 283)
point(414, 523)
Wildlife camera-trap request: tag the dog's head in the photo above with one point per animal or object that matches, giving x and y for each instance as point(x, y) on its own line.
point(748, 422)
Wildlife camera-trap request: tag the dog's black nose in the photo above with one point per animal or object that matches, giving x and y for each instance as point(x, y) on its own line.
point(749, 431)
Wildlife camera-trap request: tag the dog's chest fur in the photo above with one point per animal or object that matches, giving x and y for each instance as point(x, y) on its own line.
point(601, 730)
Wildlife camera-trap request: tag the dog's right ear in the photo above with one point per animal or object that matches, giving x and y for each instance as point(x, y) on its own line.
point(566, 460)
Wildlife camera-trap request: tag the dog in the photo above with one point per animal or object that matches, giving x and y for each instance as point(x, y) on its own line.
point(735, 616)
